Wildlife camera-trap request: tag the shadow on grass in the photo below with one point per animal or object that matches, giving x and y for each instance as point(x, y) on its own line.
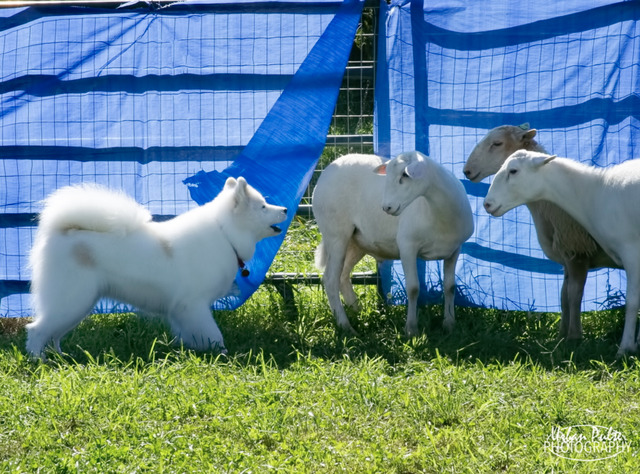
point(266, 326)
point(489, 336)
point(123, 336)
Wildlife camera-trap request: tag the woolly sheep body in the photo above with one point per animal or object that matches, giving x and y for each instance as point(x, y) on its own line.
point(603, 200)
point(347, 204)
point(561, 237)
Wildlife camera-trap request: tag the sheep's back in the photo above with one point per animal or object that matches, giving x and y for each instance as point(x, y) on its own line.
point(349, 183)
point(349, 195)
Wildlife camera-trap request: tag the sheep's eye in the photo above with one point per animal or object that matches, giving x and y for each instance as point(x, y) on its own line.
point(404, 175)
point(513, 171)
point(497, 143)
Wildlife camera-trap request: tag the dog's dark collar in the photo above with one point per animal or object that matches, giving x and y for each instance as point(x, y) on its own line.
point(244, 271)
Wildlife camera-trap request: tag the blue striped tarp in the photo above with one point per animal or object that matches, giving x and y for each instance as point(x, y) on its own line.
point(450, 71)
point(158, 102)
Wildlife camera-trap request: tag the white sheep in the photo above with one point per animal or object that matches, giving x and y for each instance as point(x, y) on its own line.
point(561, 238)
point(603, 200)
point(427, 216)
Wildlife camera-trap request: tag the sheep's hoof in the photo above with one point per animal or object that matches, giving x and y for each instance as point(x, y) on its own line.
point(448, 325)
point(626, 351)
point(573, 337)
point(412, 330)
point(347, 329)
point(354, 307)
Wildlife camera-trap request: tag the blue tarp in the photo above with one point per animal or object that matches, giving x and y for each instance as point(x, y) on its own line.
point(450, 70)
point(160, 101)
point(166, 102)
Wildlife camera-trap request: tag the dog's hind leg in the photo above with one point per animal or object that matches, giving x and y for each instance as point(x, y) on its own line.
point(195, 327)
point(60, 306)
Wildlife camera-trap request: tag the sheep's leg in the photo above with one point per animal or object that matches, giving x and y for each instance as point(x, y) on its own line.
point(354, 255)
point(450, 290)
point(410, 266)
point(575, 272)
point(564, 305)
point(628, 345)
point(336, 254)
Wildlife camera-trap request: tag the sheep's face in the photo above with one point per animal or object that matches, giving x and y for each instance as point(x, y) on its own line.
point(517, 182)
point(491, 152)
point(404, 181)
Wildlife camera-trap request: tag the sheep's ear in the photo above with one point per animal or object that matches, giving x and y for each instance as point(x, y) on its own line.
point(416, 169)
point(540, 161)
point(524, 126)
point(526, 135)
point(381, 169)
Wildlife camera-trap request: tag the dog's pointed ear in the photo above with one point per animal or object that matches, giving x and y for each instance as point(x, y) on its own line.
point(242, 183)
point(381, 169)
point(230, 183)
point(240, 191)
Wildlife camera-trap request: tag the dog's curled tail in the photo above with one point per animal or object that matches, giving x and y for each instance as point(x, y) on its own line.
point(91, 207)
point(320, 256)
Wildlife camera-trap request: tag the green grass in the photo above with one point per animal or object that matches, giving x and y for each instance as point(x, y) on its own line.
point(296, 395)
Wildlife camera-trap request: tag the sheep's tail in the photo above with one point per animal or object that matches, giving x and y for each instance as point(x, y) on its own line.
point(321, 257)
point(93, 208)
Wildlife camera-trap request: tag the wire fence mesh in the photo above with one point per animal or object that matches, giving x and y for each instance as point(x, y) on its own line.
point(351, 128)
point(351, 131)
point(110, 87)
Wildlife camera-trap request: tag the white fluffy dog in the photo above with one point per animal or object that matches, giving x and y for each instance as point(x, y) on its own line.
point(92, 242)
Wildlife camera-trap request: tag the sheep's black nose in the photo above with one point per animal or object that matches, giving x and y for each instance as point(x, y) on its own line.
point(467, 173)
